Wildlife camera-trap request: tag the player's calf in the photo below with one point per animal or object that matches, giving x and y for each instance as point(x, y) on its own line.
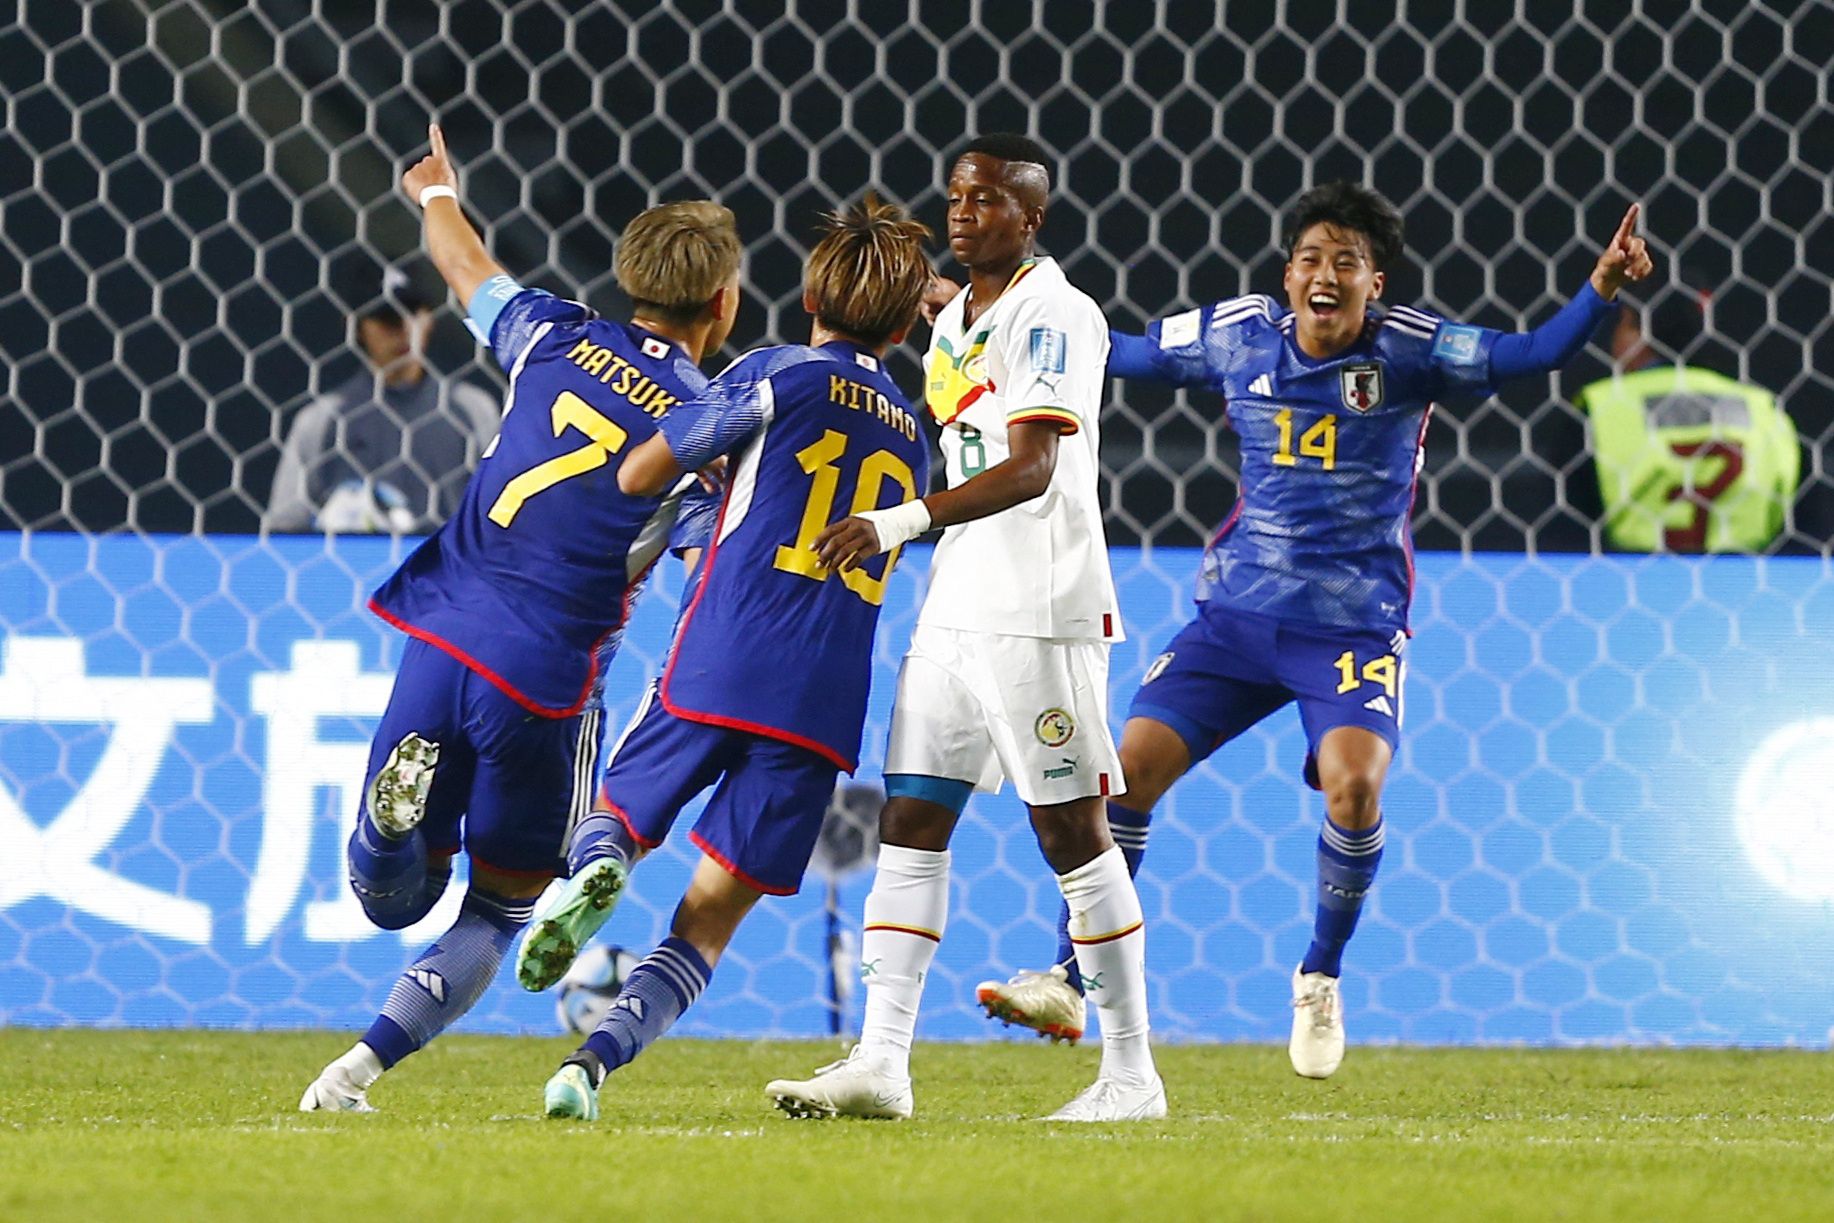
point(439, 987)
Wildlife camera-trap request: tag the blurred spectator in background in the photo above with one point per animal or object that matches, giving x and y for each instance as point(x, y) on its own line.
point(390, 449)
point(1688, 459)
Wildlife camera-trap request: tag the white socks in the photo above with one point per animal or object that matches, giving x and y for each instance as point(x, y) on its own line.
point(1109, 933)
point(905, 915)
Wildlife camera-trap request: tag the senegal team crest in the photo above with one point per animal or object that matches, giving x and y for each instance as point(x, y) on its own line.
point(1362, 384)
point(1054, 727)
point(956, 380)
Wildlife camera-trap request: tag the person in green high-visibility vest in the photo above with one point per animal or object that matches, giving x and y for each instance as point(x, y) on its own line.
point(1688, 459)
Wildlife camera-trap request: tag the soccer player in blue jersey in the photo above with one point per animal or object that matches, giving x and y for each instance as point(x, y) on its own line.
point(764, 693)
point(1303, 595)
point(491, 734)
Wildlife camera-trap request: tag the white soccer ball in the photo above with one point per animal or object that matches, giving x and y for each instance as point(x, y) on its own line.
point(591, 986)
point(358, 507)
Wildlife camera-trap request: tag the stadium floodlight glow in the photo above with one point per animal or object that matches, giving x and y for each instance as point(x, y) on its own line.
point(1785, 806)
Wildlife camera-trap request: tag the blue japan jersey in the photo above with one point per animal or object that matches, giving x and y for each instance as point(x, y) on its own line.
point(1321, 532)
point(530, 580)
point(771, 642)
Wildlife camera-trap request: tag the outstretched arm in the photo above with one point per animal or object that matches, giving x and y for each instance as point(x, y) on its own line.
point(1131, 356)
point(1557, 341)
point(452, 244)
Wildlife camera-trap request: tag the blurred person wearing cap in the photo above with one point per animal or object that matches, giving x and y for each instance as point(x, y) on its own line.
point(1688, 459)
point(390, 449)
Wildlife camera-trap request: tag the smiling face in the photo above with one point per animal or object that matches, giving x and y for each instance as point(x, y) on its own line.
point(1330, 280)
point(995, 209)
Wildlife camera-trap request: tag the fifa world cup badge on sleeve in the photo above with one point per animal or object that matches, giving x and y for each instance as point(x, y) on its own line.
point(1457, 343)
point(1047, 350)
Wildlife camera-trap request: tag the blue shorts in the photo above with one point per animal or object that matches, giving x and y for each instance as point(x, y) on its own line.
point(1227, 670)
point(509, 785)
point(767, 806)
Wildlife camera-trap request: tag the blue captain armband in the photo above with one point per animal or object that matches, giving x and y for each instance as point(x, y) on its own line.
point(486, 303)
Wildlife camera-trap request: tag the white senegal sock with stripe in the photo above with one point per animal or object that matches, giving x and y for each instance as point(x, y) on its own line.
point(906, 912)
point(1109, 934)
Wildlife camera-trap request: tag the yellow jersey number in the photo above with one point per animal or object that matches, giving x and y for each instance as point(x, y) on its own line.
point(1385, 671)
point(568, 411)
point(821, 460)
point(1319, 442)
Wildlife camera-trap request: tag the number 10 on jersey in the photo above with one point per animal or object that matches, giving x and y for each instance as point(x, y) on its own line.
point(821, 460)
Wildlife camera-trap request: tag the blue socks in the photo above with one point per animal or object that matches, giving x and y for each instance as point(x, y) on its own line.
point(655, 994)
point(1347, 864)
point(391, 877)
point(449, 978)
point(1128, 827)
point(600, 835)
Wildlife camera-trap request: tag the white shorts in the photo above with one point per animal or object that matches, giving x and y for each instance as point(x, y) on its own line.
point(984, 707)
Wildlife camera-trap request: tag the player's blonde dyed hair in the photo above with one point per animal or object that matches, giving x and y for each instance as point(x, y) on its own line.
point(673, 258)
point(868, 273)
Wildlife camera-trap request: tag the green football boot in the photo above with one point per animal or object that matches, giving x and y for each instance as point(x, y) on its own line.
point(570, 1094)
point(555, 938)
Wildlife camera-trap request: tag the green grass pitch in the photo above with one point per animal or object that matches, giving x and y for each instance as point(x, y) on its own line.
point(200, 1126)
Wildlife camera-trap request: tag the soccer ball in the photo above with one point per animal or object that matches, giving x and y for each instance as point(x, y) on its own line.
point(357, 507)
point(591, 986)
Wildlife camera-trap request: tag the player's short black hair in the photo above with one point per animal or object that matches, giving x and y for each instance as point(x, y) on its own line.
point(1010, 146)
point(1349, 206)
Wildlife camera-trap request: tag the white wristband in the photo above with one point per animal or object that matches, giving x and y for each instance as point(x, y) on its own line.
point(900, 524)
point(438, 191)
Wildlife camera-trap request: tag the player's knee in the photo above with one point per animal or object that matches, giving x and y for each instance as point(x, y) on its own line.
point(1071, 835)
point(518, 886)
point(916, 824)
point(1153, 757)
point(1353, 797)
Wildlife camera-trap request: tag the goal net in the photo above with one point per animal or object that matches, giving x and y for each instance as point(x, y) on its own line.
point(1609, 819)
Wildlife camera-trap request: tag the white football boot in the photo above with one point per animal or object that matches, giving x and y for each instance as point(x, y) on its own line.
point(398, 795)
point(342, 1086)
point(1042, 1001)
point(1112, 1098)
point(1317, 1044)
point(856, 1086)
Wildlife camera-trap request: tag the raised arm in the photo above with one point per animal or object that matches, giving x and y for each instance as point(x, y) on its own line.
point(452, 244)
point(1551, 345)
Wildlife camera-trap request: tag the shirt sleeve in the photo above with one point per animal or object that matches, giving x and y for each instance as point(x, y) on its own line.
point(1554, 343)
point(505, 315)
point(723, 417)
point(1032, 356)
point(1172, 350)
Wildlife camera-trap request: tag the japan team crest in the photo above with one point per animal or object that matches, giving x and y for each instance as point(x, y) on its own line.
point(1054, 727)
point(1362, 385)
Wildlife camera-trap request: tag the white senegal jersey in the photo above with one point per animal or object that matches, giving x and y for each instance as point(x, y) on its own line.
point(1039, 569)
